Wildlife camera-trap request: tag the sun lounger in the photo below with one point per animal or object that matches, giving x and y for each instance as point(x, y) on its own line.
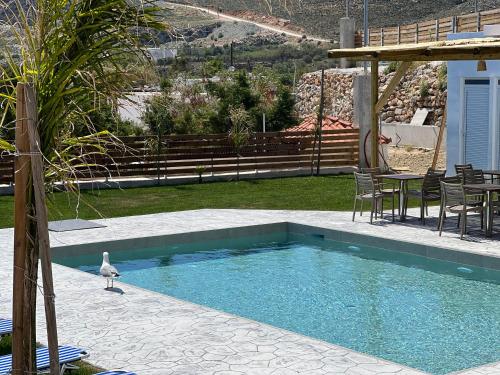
point(67, 355)
point(5, 327)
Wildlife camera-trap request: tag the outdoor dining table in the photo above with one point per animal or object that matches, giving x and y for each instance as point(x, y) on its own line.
point(493, 173)
point(403, 188)
point(488, 189)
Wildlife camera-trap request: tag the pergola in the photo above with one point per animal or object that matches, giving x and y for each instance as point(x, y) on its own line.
point(481, 49)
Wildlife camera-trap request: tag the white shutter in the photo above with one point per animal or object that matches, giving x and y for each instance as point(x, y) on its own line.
point(477, 123)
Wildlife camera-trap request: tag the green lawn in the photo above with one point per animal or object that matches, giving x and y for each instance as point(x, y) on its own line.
point(300, 193)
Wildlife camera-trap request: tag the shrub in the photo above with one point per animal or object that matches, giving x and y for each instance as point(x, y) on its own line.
point(392, 67)
point(307, 59)
point(424, 88)
point(443, 77)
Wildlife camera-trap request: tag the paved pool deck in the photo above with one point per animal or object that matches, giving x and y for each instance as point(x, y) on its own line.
point(150, 333)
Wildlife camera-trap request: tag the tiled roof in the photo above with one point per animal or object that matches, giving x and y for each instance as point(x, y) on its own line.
point(329, 123)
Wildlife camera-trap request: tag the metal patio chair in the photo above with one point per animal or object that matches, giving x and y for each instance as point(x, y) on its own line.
point(368, 190)
point(387, 188)
point(456, 201)
point(429, 192)
point(459, 168)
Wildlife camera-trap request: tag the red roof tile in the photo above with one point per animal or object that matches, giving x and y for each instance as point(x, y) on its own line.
point(329, 123)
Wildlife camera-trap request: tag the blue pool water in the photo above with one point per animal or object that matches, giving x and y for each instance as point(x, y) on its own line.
point(433, 315)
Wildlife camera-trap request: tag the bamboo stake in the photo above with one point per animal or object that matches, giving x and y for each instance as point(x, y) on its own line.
point(374, 115)
point(43, 230)
point(440, 138)
point(20, 359)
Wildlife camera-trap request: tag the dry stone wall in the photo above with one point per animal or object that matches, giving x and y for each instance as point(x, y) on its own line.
point(422, 87)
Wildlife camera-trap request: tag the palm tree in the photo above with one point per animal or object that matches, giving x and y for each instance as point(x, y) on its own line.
point(73, 55)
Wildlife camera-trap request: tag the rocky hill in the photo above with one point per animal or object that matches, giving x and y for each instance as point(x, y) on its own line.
point(422, 87)
point(320, 17)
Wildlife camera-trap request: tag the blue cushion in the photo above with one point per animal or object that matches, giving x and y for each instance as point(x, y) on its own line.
point(67, 354)
point(5, 327)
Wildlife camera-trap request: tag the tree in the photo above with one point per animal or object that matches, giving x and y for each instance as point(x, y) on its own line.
point(74, 54)
point(235, 92)
point(282, 115)
point(239, 134)
point(157, 115)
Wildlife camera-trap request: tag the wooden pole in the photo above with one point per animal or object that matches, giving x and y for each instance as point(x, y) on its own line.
point(320, 119)
point(42, 227)
point(440, 138)
point(374, 114)
point(400, 72)
point(20, 359)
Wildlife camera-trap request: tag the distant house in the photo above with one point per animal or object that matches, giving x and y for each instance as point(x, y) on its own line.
point(473, 124)
point(162, 53)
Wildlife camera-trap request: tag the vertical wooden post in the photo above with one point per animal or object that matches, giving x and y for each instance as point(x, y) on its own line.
point(437, 30)
point(382, 36)
point(416, 32)
point(478, 21)
point(42, 227)
point(440, 138)
point(20, 359)
point(374, 114)
point(399, 34)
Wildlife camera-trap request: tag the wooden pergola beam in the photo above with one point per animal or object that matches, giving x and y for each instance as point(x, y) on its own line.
point(452, 50)
point(400, 72)
point(449, 50)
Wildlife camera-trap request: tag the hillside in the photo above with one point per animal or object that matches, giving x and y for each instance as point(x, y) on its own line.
point(320, 17)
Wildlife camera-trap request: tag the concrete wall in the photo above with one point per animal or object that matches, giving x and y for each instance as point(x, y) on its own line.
point(418, 136)
point(362, 114)
point(458, 71)
point(347, 35)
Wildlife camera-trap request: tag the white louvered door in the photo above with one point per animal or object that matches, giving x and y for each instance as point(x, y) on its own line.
point(477, 145)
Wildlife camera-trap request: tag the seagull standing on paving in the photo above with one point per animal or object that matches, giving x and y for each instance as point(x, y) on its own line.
point(107, 270)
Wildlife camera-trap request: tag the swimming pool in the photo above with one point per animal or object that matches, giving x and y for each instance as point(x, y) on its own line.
point(429, 314)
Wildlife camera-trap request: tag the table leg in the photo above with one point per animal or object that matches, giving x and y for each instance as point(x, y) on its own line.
point(403, 188)
point(489, 215)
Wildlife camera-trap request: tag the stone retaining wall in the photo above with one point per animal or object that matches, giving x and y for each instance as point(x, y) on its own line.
point(421, 88)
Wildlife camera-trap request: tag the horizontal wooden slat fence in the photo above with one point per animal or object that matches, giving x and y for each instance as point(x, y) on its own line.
point(429, 31)
point(186, 155)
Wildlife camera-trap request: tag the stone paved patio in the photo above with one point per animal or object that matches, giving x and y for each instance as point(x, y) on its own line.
point(155, 334)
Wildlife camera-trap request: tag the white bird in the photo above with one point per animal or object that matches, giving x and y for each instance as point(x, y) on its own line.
point(107, 270)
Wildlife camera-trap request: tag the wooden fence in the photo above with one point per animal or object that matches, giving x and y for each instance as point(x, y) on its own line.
point(186, 155)
point(430, 31)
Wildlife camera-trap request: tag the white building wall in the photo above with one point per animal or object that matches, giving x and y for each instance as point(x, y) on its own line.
point(458, 72)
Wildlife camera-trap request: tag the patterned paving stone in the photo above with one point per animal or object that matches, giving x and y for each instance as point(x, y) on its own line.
point(155, 334)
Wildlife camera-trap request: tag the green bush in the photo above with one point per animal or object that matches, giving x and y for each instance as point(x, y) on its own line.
point(443, 77)
point(424, 88)
point(392, 67)
point(307, 59)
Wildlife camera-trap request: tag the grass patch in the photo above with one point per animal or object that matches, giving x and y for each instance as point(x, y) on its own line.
point(5, 345)
point(326, 193)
